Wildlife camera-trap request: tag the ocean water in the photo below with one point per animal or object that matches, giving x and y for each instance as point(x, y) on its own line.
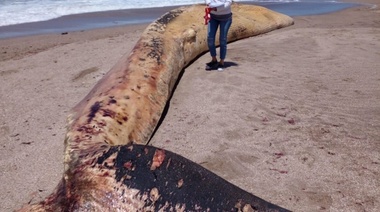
point(25, 11)
point(32, 17)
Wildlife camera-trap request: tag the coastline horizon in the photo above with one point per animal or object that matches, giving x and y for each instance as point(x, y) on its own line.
point(116, 18)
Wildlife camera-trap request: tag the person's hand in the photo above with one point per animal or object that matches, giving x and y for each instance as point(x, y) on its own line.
point(211, 8)
point(214, 5)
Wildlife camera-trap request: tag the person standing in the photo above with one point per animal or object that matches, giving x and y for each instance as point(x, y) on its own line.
point(220, 16)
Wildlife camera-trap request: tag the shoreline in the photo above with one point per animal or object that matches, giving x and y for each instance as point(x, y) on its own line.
point(118, 18)
point(293, 119)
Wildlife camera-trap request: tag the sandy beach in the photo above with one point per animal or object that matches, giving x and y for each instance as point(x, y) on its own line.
point(293, 119)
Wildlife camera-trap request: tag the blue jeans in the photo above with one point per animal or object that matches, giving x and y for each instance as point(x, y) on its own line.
point(211, 32)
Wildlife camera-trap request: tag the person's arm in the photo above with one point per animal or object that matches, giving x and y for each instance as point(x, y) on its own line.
point(225, 6)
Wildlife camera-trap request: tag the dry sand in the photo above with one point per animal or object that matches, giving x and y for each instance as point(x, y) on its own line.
point(294, 119)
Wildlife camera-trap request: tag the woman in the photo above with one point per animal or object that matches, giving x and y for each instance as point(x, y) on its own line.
point(220, 15)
